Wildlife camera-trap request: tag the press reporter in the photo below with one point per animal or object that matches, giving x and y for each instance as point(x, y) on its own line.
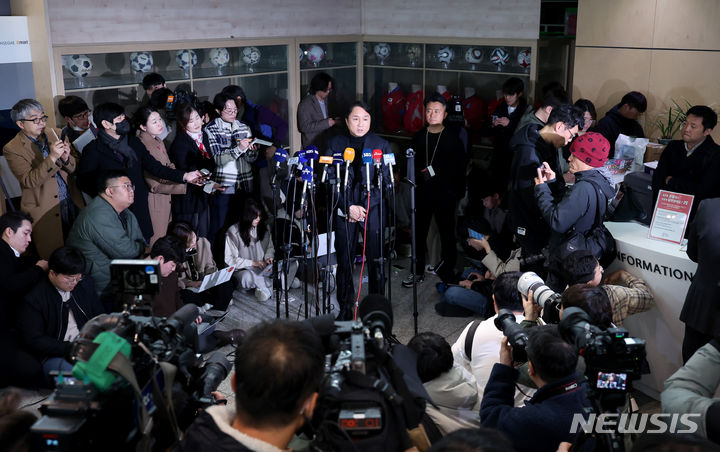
point(352, 215)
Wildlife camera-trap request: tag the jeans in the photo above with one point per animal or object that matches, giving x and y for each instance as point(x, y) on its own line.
point(466, 298)
point(56, 363)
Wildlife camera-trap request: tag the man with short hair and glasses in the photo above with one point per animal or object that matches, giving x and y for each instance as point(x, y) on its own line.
point(44, 166)
point(56, 310)
point(106, 229)
point(77, 116)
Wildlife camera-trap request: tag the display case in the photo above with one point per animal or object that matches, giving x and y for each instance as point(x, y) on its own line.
point(398, 75)
point(116, 76)
point(339, 60)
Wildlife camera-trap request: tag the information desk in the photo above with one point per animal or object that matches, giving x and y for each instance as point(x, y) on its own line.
point(668, 272)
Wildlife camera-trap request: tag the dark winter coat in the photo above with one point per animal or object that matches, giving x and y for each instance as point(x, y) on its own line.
point(578, 207)
point(613, 124)
point(186, 156)
point(695, 175)
point(97, 157)
point(43, 317)
point(448, 164)
point(545, 420)
point(17, 277)
point(530, 150)
point(700, 311)
point(206, 434)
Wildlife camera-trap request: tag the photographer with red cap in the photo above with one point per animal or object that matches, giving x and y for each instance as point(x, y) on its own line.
point(582, 206)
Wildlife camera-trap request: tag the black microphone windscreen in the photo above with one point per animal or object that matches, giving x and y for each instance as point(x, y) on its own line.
point(376, 307)
point(410, 154)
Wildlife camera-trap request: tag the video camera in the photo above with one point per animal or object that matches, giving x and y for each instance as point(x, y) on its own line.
point(548, 299)
point(612, 358)
point(517, 337)
point(138, 381)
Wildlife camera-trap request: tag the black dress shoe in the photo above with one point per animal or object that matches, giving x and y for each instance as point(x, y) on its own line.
point(233, 337)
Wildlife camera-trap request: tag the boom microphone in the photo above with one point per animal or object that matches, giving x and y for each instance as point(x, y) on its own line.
point(348, 156)
point(307, 177)
point(312, 154)
point(377, 156)
point(367, 157)
point(327, 160)
point(337, 160)
point(279, 157)
point(389, 160)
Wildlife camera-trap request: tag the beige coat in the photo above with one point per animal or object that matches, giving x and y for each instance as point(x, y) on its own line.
point(159, 189)
point(36, 175)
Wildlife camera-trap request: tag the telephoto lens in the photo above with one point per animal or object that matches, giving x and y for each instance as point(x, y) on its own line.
point(548, 299)
point(505, 322)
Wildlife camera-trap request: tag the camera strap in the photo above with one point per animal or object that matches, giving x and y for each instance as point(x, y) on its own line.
point(469, 337)
point(559, 389)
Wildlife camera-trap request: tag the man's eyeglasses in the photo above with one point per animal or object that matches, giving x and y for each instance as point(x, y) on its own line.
point(230, 110)
point(39, 120)
point(127, 187)
point(83, 115)
point(71, 279)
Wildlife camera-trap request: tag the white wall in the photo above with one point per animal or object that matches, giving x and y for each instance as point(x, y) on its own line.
point(512, 19)
point(113, 21)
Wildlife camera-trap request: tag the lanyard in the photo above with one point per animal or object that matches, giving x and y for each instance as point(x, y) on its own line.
point(427, 132)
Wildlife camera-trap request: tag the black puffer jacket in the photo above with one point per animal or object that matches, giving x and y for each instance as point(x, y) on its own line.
point(206, 434)
point(578, 207)
point(613, 124)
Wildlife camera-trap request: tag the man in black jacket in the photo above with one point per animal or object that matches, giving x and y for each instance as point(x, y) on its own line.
point(278, 370)
point(56, 310)
point(532, 146)
point(115, 148)
point(691, 165)
point(622, 119)
point(17, 276)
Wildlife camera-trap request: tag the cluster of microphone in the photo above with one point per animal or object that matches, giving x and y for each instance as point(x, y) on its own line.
point(304, 160)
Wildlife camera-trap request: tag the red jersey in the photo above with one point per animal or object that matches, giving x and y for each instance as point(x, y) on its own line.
point(475, 109)
point(413, 119)
point(393, 108)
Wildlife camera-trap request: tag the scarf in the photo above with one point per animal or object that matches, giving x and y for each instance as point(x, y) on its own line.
point(198, 139)
point(120, 147)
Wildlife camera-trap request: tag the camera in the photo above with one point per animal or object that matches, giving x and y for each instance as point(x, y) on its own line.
point(135, 276)
point(505, 322)
point(612, 358)
point(548, 299)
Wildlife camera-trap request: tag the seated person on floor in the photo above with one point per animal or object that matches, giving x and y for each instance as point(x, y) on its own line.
point(474, 440)
point(18, 275)
point(249, 248)
point(56, 310)
point(628, 294)
point(278, 371)
point(450, 386)
point(480, 352)
point(544, 422)
point(198, 264)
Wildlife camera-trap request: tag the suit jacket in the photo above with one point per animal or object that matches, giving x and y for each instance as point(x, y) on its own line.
point(186, 156)
point(700, 310)
point(311, 122)
point(17, 277)
point(160, 189)
point(37, 177)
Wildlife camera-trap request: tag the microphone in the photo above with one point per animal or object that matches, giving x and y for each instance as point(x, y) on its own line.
point(348, 156)
point(279, 157)
point(337, 160)
point(377, 156)
point(307, 177)
point(292, 161)
point(312, 154)
point(327, 160)
point(389, 160)
point(301, 156)
point(367, 157)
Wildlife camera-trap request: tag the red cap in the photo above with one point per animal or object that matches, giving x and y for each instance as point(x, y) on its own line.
point(591, 148)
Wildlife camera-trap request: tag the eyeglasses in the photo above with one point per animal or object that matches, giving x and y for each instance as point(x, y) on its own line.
point(71, 279)
point(127, 187)
point(39, 120)
point(83, 115)
point(230, 110)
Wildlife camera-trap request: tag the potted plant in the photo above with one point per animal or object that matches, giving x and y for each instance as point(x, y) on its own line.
point(669, 124)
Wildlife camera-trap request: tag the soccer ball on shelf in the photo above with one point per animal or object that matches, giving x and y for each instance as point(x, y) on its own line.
point(473, 55)
point(414, 53)
point(251, 57)
point(382, 51)
point(301, 54)
point(499, 57)
point(141, 61)
point(445, 55)
point(315, 54)
point(219, 57)
point(523, 59)
point(185, 59)
point(79, 65)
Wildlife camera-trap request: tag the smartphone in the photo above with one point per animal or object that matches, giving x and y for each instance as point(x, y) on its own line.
point(205, 172)
point(475, 234)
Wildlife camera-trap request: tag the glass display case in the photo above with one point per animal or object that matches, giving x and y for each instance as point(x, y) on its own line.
point(339, 60)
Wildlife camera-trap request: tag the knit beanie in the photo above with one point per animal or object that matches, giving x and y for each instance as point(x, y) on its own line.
point(591, 148)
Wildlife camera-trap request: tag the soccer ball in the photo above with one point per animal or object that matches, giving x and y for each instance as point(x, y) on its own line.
point(523, 58)
point(219, 57)
point(315, 54)
point(301, 54)
point(186, 59)
point(382, 51)
point(141, 61)
point(414, 52)
point(251, 55)
point(79, 65)
point(499, 57)
point(445, 55)
point(474, 55)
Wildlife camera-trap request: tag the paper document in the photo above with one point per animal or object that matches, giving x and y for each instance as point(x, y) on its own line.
point(214, 279)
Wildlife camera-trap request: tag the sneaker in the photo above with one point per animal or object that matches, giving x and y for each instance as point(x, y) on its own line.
point(408, 282)
point(263, 294)
point(295, 284)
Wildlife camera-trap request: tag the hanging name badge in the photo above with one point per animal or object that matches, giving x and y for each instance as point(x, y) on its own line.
point(427, 173)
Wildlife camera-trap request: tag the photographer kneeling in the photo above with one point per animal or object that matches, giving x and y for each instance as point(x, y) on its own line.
point(278, 370)
point(545, 421)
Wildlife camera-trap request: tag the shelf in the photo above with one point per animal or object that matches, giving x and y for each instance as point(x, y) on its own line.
point(327, 68)
point(470, 71)
point(250, 74)
point(385, 66)
point(393, 135)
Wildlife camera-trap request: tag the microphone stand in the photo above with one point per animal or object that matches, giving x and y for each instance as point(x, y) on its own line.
point(315, 242)
point(276, 276)
point(330, 198)
point(303, 247)
point(288, 244)
point(381, 232)
point(410, 154)
point(393, 233)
